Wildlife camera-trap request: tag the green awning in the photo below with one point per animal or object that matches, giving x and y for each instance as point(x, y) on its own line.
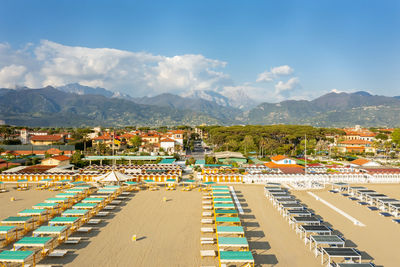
point(19, 255)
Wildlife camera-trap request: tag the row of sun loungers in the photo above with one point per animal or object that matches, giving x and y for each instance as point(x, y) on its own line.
point(222, 221)
point(312, 230)
point(375, 201)
point(72, 210)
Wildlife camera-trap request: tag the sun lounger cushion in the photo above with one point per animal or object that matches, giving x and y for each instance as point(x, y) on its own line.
point(85, 229)
point(207, 242)
point(207, 220)
point(103, 213)
point(58, 253)
point(94, 221)
point(373, 208)
point(207, 214)
point(208, 253)
point(385, 214)
point(207, 230)
point(73, 240)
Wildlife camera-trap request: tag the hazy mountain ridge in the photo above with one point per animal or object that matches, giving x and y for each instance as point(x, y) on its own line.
point(330, 110)
point(225, 113)
point(52, 107)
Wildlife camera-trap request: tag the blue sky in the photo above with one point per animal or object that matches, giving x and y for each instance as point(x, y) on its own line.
point(197, 45)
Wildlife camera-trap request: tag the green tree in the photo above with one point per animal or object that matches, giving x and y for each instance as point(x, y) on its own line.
point(248, 144)
point(396, 136)
point(136, 141)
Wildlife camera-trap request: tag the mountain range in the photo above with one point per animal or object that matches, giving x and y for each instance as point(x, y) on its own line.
point(77, 105)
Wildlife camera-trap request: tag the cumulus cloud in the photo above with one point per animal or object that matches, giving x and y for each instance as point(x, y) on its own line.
point(275, 72)
point(135, 73)
point(288, 85)
point(11, 73)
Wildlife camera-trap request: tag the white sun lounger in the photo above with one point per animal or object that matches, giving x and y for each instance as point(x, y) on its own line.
point(85, 229)
point(207, 242)
point(121, 198)
point(109, 207)
point(207, 221)
point(207, 214)
point(208, 207)
point(207, 230)
point(207, 238)
point(103, 214)
point(208, 253)
point(126, 193)
point(115, 202)
point(206, 202)
point(206, 197)
point(73, 240)
point(58, 253)
point(94, 221)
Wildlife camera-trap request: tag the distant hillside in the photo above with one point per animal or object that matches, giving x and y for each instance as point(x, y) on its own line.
point(51, 107)
point(82, 106)
point(225, 114)
point(333, 109)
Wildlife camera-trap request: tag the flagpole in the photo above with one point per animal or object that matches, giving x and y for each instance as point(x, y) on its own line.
point(305, 154)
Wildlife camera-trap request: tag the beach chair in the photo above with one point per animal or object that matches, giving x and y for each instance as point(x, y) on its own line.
point(208, 241)
point(385, 214)
point(207, 214)
point(94, 221)
point(84, 229)
point(58, 253)
point(208, 253)
point(73, 240)
point(207, 221)
point(102, 214)
point(205, 230)
point(373, 208)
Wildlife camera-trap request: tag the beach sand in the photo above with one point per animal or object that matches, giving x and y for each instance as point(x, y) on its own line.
point(378, 240)
point(23, 200)
point(168, 233)
point(270, 237)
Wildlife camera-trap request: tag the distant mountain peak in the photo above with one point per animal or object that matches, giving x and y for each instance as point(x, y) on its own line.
point(362, 93)
point(236, 98)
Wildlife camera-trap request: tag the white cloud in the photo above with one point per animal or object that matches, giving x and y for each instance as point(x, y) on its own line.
point(135, 73)
point(288, 85)
point(275, 72)
point(9, 74)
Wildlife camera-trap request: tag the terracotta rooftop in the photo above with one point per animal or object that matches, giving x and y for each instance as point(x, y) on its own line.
point(278, 158)
point(46, 138)
point(359, 162)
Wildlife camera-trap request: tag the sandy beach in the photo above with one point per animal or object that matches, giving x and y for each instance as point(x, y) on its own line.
point(23, 199)
point(378, 240)
point(168, 232)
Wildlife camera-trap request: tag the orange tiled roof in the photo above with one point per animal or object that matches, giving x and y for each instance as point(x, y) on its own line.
point(356, 142)
point(278, 158)
point(60, 158)
point(273, 165)
point(167, 140)
point(46, 138)
point(359, 162)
